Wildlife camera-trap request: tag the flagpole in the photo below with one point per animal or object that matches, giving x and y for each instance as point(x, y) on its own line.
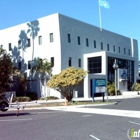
point(100, 20)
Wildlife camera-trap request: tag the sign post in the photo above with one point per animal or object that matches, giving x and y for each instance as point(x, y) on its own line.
point(98, 86)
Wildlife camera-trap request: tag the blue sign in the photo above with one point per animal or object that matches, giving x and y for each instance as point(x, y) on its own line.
point(100, 82)
point(98, 86)
point(123, 74)
point(97, 83)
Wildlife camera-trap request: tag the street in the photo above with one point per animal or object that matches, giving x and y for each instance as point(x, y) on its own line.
point(72, 123)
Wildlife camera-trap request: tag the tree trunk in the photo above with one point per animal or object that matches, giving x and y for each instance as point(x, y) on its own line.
point(69, 96)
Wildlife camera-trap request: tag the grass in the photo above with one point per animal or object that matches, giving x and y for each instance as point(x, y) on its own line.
point(70, 104)
point(88, 103)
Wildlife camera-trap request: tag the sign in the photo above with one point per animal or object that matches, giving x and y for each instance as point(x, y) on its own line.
point(123, 74)
point(98, 85)
point(100, 82)
point(100, 89)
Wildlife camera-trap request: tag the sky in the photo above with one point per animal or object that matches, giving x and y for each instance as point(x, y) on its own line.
point(123, 16)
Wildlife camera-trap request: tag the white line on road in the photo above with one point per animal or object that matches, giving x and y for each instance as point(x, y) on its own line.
point(134, 123)
point(28, 119)
point(86, 115)
point(113, 112)
point(94, 137)
point(46, 112)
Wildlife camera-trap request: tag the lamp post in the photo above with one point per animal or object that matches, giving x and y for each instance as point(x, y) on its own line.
point(115, 66)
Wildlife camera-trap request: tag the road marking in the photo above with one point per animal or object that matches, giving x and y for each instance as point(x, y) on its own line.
point(94, 137)
point(87, 115)
point(45, 112)
point(28, 119)
point(134, 123)
point(112, 112)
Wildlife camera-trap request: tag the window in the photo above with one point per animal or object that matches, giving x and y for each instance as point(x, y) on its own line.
point(1, 46)
point(87, 42)
point(124, 50)
point(114, 48)
point(69, 61)
point(119, 49)
point(107, 47)
point(19, 65)
point(10, 46)
point(94, 43)
point(128, 51)
point(78, 38)
point(28, 42)
point(123, 63)
point(29, 64)
point(40, 40)
point(69, 38)
point(52, 60)
point(95, 64)
point(79, 62)
point(101, 45)
point(19, 44)
point(51, 37)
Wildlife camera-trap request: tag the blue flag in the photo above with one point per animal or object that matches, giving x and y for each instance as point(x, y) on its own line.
point(104, 4)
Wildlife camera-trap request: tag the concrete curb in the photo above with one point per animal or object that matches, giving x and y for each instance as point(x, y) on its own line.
point(63, 107)
point(39, 102)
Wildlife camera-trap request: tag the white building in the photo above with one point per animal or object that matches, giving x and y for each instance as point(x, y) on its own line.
point(69, 42)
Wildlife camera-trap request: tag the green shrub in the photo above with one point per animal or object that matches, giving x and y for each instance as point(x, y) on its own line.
point(137, 87)
point(49, 98)
point(32, 95)
point(21, 99)
point(110, 88)
point(119, 92)
point(52, 98)
point(42, 98)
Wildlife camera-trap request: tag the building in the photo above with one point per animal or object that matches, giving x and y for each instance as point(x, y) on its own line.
point(139, 68)
point(68, 42)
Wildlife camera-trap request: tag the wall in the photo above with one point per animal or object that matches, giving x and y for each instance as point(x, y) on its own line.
point(43, 27)
point(77, 28)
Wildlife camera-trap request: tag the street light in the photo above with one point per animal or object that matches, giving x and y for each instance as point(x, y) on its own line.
point(115, 66)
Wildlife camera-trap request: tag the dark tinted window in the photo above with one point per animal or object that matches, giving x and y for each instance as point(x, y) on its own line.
point(95, 64)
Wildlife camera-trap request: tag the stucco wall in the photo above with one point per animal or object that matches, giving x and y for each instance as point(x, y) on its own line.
point(45, 25)
point(77, 28)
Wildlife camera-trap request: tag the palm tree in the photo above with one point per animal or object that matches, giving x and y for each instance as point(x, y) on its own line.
point(42, 66)
point(15, 55)
point(21, 78)
point(33, 30)
point(23, 38)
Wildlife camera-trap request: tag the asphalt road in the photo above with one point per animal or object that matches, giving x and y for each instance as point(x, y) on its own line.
point(123, 104)
point(61, 125)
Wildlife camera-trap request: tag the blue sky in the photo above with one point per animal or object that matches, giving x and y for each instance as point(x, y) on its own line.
point(123, 17)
